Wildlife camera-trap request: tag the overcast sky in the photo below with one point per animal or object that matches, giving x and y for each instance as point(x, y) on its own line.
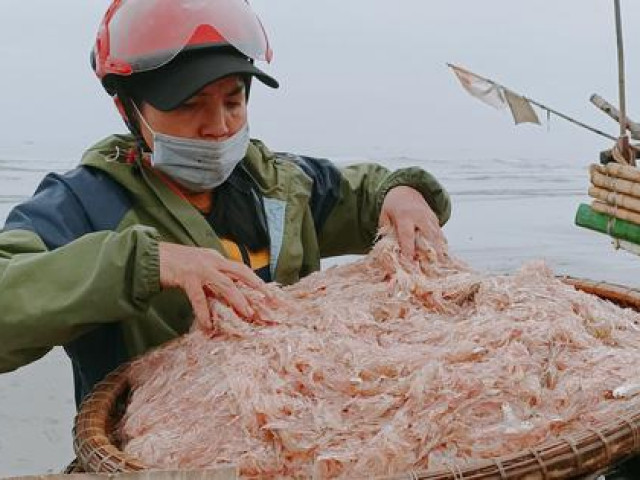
point(358, 77)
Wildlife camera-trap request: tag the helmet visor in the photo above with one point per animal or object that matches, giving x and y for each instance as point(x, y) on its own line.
point(147, 34)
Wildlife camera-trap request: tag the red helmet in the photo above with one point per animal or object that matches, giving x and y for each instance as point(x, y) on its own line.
point(142, 35)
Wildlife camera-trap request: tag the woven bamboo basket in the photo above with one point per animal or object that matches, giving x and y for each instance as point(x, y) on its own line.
point(588, 452)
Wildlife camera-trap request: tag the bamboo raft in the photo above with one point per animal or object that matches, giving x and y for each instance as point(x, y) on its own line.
point(591, 451)
point(615, 208)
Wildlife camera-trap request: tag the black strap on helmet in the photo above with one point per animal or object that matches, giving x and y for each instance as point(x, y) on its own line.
point(115, 87)
point(131, 117)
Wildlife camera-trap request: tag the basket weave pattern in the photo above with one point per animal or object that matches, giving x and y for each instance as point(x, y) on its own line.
point(590, 451)
point(92, 440)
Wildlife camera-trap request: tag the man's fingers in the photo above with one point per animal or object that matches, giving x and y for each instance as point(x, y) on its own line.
point(430, 225)
point(200, 305)
point(434, 237)
point(201, 272)
point(227, 291)
point(384, 221)
point(242, 273)
point(432, 233)
point(406, 233)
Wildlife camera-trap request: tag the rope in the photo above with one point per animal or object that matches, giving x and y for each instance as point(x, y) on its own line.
point(503, 473)
point(618, 156)
point(543, 466)
point(611, 222)
point(456, 471)
point(90, 458)
point(105, 460)
point(605, 442)
point(575, 450)
point(413, 475)
point(634, 431)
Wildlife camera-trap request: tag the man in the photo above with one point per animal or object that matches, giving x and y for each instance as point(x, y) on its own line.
point(121, 254)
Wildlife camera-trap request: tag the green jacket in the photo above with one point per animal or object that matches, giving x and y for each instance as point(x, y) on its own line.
point(79, 260)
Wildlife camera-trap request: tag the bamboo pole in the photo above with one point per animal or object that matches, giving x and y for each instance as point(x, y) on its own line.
point(629, 247)
point(623, 142)
point(616, 199)
point(621, 81)
point(615, 184)
point(617, 170)
point(572, 120)
point(611, 111)
point(616, 212)
point(617, 228)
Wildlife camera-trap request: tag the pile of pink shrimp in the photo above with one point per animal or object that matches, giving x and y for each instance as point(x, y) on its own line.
point(384, 366)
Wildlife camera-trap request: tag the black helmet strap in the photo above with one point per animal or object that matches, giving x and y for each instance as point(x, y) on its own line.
point(131, 118)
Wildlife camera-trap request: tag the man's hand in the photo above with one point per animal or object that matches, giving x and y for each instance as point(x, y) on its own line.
point(407, 212)
point(200, 270)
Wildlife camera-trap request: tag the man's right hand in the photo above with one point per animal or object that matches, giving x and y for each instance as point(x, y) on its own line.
point(198, 270)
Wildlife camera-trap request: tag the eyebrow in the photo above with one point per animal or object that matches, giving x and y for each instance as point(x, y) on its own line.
point(238, 89)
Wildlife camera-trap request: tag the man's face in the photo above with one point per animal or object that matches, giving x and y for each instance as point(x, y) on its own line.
point(216, 112)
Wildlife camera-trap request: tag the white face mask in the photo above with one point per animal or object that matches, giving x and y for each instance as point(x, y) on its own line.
point(198, 165)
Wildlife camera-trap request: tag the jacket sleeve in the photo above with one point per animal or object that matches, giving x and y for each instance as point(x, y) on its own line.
point(346, 202)
point(58, 279)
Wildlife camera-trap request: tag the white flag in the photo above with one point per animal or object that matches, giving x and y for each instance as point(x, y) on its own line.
point(485, 90)
point(496, 95)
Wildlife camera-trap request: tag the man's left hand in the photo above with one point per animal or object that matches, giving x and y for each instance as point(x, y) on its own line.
point(405, 209)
